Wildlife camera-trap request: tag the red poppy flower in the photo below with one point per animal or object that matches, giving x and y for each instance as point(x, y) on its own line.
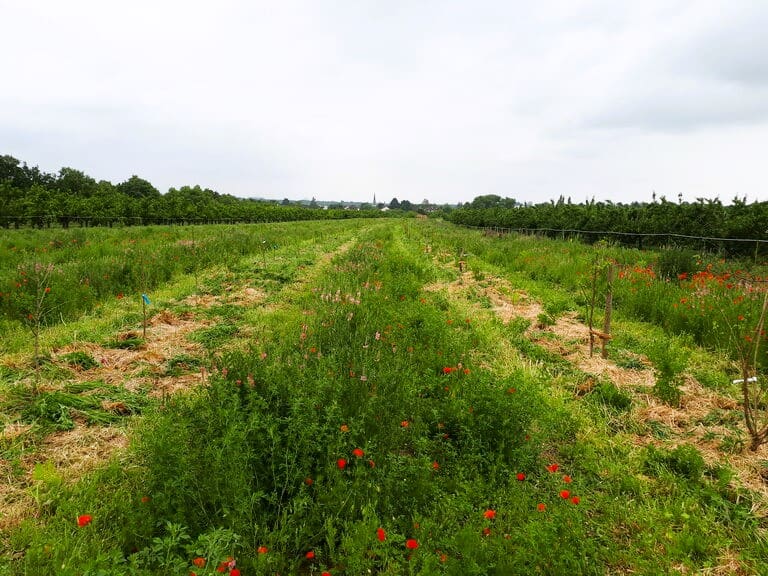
point(344, 428)
point(145, 499)
point(553, 467)
point(358, 453)
point(520, 476)
point(567, 479)
point(489, 514)
point(565, 494)
point(411, 544)
point(435, 465)
point(84, 520)
point(341, 463)
point(447, 370)
point(308, 481)
point(405, 424)
point(234, 572)
point(541, 507)
point(380, 534)
point(263, 550)
point(486, 531)
point(371, 463)
point(326, 573)
point(575, 500)
point(310, 555)
point(199, 562)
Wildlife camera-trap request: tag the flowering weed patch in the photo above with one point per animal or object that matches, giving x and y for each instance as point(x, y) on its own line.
point(357, 426)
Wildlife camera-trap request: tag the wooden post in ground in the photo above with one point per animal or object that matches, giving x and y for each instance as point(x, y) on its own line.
point(608, 311)
point(591, 316)
point(144, 303)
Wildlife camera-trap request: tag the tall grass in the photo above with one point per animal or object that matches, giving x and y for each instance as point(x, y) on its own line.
point(691, 294)
point(355, 434)
point(91, 266)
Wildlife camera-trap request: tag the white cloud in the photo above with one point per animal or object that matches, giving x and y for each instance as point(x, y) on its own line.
point(341, 100)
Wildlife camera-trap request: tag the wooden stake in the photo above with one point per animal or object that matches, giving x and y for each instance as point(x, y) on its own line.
point(590, 319)
point(608, 310)
point(144, 303)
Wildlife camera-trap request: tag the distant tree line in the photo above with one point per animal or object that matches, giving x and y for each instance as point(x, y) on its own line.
point(641, 224)
point(30, 197)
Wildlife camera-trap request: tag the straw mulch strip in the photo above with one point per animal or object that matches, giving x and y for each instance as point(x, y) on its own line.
point(569, 338)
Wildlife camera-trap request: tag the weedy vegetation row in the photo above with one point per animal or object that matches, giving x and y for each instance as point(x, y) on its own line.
point(359, 405)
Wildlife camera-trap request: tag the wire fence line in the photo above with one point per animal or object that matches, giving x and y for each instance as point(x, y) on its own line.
point(752, 248)
point(100, 221)
point(573, 231)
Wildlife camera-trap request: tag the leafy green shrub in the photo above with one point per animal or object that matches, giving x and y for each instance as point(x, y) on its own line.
point(668, 391)
point(669, 358)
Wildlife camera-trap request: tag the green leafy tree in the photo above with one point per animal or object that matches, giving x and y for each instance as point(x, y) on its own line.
point(138, 188)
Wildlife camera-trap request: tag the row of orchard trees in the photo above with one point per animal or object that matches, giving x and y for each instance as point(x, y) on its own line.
point(30, 197)
point(634, 222)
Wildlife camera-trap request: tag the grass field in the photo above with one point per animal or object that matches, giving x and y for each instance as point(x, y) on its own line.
point(384, 397)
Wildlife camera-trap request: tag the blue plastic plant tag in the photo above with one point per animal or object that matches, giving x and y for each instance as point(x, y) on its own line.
point(146, 299)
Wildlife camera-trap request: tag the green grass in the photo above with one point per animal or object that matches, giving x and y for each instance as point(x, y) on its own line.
point(448, 423)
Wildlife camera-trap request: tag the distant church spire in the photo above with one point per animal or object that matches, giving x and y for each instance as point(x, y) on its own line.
point(374, 198)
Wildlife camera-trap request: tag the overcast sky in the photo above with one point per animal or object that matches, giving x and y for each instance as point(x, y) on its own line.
point(443, 100)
